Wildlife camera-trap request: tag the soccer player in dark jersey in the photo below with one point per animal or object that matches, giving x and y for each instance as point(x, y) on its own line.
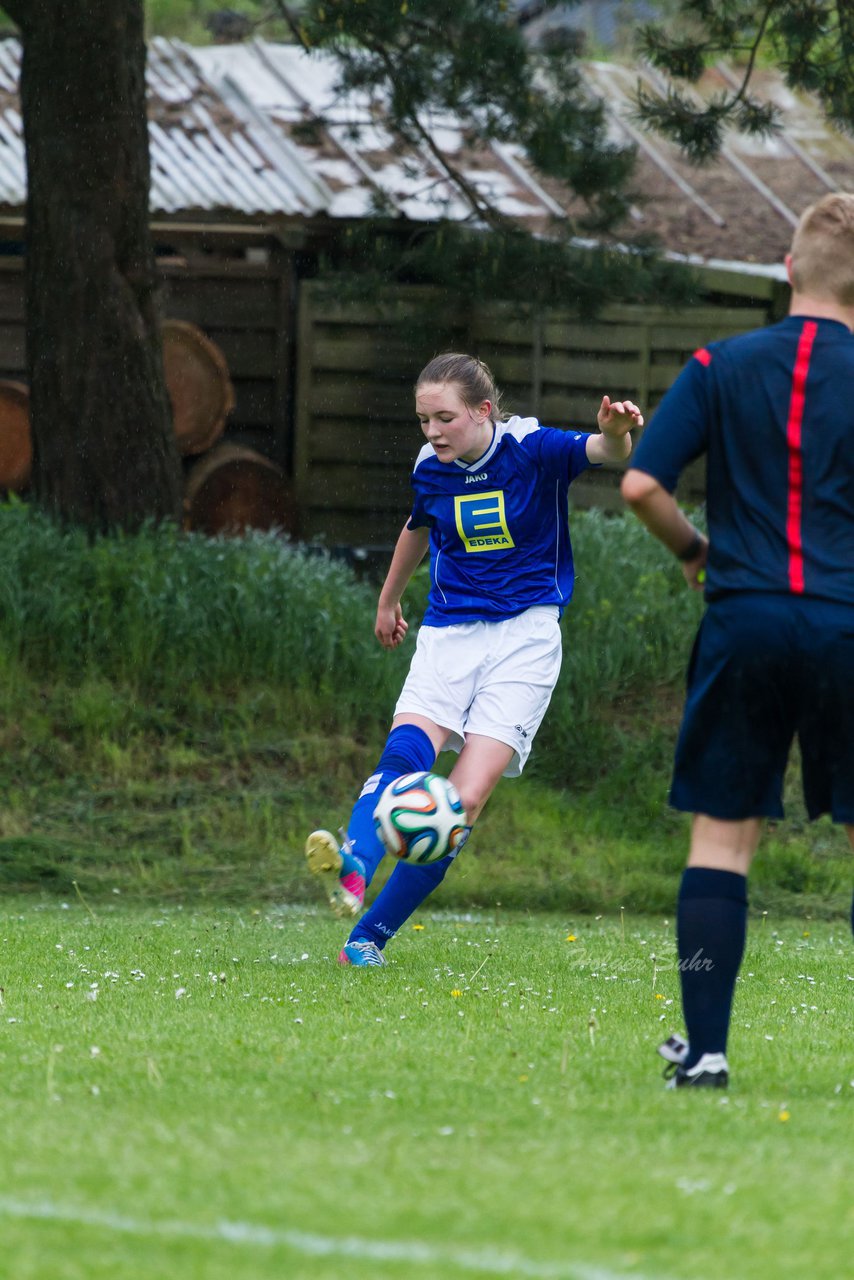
point(773, 412)
point(490, 506)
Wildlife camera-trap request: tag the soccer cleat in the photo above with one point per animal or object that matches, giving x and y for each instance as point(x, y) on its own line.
point(711, 1072)
point(341, 872)
point(361, 953)
point(674, 1049)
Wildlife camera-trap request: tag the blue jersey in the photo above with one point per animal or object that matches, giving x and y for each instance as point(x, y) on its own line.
point(773, 412)
point(499, 529)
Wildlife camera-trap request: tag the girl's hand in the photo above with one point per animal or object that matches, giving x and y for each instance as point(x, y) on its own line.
point(617, 417)
point(391, 626)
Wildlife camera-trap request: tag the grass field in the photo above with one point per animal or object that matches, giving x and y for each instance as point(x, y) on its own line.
point(192, 1087)
point(201, 1091)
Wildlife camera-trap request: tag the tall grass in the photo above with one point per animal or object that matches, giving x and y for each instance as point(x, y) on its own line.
point(176, 712)
point(162, 612)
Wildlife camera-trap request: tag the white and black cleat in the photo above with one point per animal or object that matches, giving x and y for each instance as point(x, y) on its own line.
point(711, 1072)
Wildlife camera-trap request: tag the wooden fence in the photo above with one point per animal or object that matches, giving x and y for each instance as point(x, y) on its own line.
point(356, 435)
point(324, 387)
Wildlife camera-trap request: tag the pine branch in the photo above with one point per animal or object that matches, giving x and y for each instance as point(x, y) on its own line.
point(740, 96)
point(19, 11)
point(292, 24)
point(814, 42)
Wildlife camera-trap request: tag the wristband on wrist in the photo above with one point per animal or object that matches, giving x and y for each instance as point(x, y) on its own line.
point(693, 549)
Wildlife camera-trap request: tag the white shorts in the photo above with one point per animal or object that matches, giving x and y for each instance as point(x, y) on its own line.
point(489, 678)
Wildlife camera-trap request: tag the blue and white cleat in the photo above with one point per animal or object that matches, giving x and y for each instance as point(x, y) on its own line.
point(342, 873)
point(361, 953)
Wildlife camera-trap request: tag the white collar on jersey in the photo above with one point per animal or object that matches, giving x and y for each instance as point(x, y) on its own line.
point(481, 462)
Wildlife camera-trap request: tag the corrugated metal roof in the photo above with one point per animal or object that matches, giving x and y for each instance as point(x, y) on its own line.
point(343, 139)
point(742, 207)
point(204, 158)
point(260, 128)
point(227, 126)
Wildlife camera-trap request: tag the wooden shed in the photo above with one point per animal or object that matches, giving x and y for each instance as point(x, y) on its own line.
point(259, 164)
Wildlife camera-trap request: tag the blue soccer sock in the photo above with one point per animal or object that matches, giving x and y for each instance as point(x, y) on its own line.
point(406, 888)
point(711, 926)
point(408, 749)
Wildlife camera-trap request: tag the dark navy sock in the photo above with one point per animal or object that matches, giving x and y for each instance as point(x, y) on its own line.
point(408, 749)
point(711, 927)
point(405, 890)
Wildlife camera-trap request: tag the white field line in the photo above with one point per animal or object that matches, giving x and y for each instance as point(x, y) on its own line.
point(486, 1261)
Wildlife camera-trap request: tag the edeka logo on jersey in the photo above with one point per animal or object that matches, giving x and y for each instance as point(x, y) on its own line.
point(481, 522)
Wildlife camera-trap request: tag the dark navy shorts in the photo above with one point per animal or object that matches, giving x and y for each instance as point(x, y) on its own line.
point(764, 668)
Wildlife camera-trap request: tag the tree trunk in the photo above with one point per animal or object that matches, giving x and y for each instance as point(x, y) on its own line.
point(103, 450)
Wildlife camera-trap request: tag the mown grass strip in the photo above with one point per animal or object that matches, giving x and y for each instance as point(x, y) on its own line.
point(176, 712)
point(214, 1065)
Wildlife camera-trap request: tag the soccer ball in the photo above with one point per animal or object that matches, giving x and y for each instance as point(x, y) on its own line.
point(420, 817)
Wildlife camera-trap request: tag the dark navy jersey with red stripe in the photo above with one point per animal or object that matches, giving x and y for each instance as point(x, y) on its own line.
point(773, 411)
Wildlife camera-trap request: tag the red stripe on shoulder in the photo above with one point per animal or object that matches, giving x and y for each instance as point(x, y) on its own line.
point(703, 355)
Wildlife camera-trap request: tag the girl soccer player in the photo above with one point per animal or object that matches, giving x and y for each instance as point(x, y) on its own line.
point(491, 507)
